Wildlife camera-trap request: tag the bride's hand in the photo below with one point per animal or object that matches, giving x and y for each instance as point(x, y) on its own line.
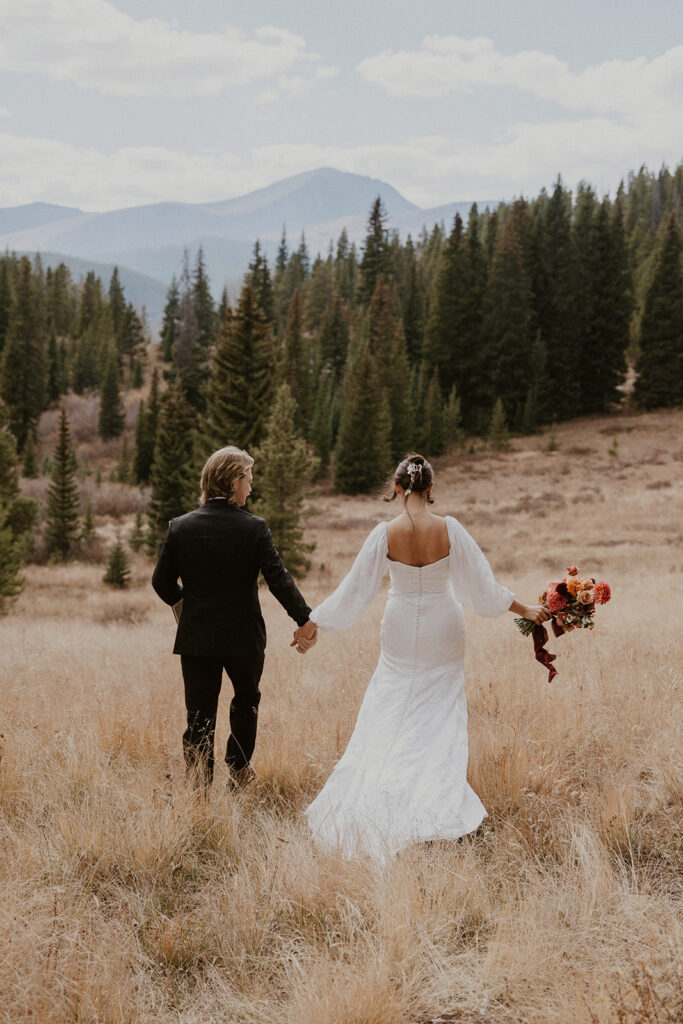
point(538, 613)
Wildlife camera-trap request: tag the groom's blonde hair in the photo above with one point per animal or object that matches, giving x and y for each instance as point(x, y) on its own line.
point(222, 470)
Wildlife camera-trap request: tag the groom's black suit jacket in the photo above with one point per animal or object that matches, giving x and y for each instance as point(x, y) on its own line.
point(217, 552)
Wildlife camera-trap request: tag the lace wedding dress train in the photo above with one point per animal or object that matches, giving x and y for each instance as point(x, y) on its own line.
point(403, 776)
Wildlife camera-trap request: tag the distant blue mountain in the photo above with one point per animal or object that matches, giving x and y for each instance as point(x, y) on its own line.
point(149, 240)
point(33, 215)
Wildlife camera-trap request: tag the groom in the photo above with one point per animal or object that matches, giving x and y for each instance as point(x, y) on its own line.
point(217, 552)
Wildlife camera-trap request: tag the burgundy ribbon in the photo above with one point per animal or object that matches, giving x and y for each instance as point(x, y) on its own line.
point(540, 635)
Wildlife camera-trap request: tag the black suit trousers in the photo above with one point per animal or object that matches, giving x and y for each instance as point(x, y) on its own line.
point(202, 678)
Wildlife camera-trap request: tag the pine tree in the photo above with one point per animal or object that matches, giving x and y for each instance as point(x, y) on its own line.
point(660, 364)
point(62, 525)
point(387, 344)
point(118, 567)
point(54, 382)
point(146, 432)
point(131, 335)
point(174, 475)
point(117, 303)
point(362, 458)
point(412, 306)
point(169, 327)
point(241, 379)
point(223, 307)
point(204, 308)
point(259, 279)
point(556, 308)
point(22, 370)
point(90, 308)
point(498, 431)
point(111, 416)
point(17, 516)
point(61, 302)
point(86, 371)
point(285, 470)
point(506, 325)
point(453, 329)
point(296, 370)
point(452, 420)
point(432, 434)
point(5, 298)
point(188, 354)
point(325, 425)
point(144, 446)
point(334, 336)
point(376, 254)
point(606, 305)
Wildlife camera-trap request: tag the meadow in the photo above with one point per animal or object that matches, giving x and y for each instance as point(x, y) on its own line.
point(126, 899)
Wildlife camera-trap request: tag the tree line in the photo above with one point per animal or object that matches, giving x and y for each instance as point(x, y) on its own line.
point(522, 316)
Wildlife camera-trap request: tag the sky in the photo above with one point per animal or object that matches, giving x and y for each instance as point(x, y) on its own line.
point(113, 103)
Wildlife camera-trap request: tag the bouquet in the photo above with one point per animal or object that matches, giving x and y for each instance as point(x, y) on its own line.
point(571, 601)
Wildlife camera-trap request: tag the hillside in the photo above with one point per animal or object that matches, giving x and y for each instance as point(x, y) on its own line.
point(125, 893)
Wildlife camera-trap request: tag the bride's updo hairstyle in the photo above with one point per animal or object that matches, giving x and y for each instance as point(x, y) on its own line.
point(415, 475)
point(221, 472)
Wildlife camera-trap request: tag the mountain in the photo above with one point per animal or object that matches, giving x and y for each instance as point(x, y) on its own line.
point(149, 240)
point(33, 215)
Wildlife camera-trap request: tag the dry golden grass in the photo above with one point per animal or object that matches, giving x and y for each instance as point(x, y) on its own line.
point(124, 899)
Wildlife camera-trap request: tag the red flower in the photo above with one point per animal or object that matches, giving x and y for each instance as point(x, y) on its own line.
point(572, 570)
point(555, 601)
point(602, 592)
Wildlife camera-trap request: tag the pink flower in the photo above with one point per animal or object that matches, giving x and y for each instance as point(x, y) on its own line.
point(556, 602)
point(602, 593)
point(586, 597)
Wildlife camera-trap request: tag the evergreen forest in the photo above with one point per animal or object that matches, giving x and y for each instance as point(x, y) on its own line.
point(541, 310)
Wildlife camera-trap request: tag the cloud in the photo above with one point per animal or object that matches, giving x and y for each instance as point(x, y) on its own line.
point(97, 46)
point(447, 64)
point(429, 170)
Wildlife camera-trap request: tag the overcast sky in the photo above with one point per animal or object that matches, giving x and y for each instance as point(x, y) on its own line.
point(110, 103)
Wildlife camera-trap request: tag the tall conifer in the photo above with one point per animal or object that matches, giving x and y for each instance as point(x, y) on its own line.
point(174, 474)
point(285, 470)
point(362, 458)
point(376, 254)
point(387, 343)
point(169, 327)
point(62, 527)
point(660, 364)
point(241, 379)
point(111, 417)
point(23, 365)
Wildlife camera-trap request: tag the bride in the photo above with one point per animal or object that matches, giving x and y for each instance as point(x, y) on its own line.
point(403, 776)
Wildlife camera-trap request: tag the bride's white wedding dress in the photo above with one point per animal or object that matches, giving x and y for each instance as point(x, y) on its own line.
point(403, 776)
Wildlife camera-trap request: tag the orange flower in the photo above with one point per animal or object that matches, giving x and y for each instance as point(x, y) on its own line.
point(572, 570)
point(573, 585)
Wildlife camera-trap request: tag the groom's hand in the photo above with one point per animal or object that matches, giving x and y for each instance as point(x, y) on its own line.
point(305, 637)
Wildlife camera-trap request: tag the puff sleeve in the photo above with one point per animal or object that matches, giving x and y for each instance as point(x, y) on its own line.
point(471, 577)
point(360, 585)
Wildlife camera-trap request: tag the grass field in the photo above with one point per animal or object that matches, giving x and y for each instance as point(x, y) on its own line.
point(124, 899)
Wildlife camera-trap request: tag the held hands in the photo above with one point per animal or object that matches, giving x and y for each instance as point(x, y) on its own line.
point(305, 637)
